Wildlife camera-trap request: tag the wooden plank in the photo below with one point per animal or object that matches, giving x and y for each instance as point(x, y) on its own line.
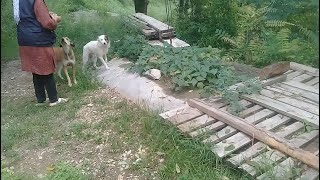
point(229, 131)
point(316, 86)
point(312, 81)
point(208, 129)
point(154, 23)
point(261, 162)
point(196, 123)
point(174, 112)
point(250, 111)
point(187, 114)
point(282, 170)
point(284, 108)
point(305, 69)
point(293, 74)
point(311, 96)
point(276, 155)
point(309, 174)
point(302, 78)
point(213, 128)
point(265, 136)
point(176, 42)
point(301, 86)
point(291, 101)
point(201, 121)
point(240, 139)
point(260, 147)
point(289, 94)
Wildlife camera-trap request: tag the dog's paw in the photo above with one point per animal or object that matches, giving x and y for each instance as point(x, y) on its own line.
point(107, 68)
point(69, 84)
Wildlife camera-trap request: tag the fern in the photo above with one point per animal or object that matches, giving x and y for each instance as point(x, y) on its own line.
point(277, 23)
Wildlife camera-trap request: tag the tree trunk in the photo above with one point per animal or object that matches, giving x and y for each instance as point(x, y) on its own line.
point(141, 6)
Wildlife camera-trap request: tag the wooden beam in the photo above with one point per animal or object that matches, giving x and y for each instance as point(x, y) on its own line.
point(265, 136)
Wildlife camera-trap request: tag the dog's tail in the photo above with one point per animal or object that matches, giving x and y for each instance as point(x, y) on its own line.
point(85, 58)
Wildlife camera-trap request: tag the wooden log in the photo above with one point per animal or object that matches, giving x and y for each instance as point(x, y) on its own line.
point(264, 136)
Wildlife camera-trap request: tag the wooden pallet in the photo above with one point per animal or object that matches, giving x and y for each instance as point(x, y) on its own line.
point(284, 106)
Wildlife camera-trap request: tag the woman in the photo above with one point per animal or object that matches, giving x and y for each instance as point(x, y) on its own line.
point(36, 36)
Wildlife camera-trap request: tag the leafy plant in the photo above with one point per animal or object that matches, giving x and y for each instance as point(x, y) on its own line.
point(189, 67)
point(233, 95)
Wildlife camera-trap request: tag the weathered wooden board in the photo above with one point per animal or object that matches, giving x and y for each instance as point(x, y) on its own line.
point(284, 108)
point(304, 69)
point(299, 92)
point(260, 147)
point(154, 23)
point(312, 81)
point(240, 139)
point(302, 86)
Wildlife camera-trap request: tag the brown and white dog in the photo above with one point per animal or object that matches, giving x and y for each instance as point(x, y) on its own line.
point(65, 58)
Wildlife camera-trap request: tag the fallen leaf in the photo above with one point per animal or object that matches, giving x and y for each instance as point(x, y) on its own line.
point(177, 169)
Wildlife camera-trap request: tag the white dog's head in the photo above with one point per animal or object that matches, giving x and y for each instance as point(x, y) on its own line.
point(103, 39)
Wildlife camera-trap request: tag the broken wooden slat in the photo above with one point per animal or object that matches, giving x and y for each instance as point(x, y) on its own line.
point(305, 139)
point(301, 86)
point(259, 146)
point(309, 95)
point(291, 101)
point(264, 136)
point(240, 139)
point(284, 108)
point(229, 131)
point(305, 69)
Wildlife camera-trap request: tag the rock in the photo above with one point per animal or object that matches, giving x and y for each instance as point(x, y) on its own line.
point(154, 74)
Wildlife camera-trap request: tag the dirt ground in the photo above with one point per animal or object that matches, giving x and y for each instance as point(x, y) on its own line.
point(101, 161)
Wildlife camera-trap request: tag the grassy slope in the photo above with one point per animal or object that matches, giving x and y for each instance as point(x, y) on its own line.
point(195, 160)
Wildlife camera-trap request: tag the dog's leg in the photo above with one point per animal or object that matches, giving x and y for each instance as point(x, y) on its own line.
point(95, 59)
point(85, 58)
point(104, 63)
point(74, 74)
point(59, 70)
point(65, 68)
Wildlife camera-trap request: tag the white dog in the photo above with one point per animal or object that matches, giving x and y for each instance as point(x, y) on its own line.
point(96, 49)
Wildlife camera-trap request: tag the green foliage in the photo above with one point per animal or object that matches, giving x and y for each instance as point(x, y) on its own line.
point(197, 20)
point(233, 95)
point(64, 171)
point(130, 46)
point(189, 67)
point(262, 41)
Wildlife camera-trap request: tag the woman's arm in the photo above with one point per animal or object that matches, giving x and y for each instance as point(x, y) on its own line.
point(42, 14)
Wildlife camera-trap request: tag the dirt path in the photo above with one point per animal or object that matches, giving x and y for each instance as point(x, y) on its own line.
point(111, 158)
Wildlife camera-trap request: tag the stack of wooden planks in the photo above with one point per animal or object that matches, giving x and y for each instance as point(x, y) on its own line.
point(156, 30)
point(287, 108)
